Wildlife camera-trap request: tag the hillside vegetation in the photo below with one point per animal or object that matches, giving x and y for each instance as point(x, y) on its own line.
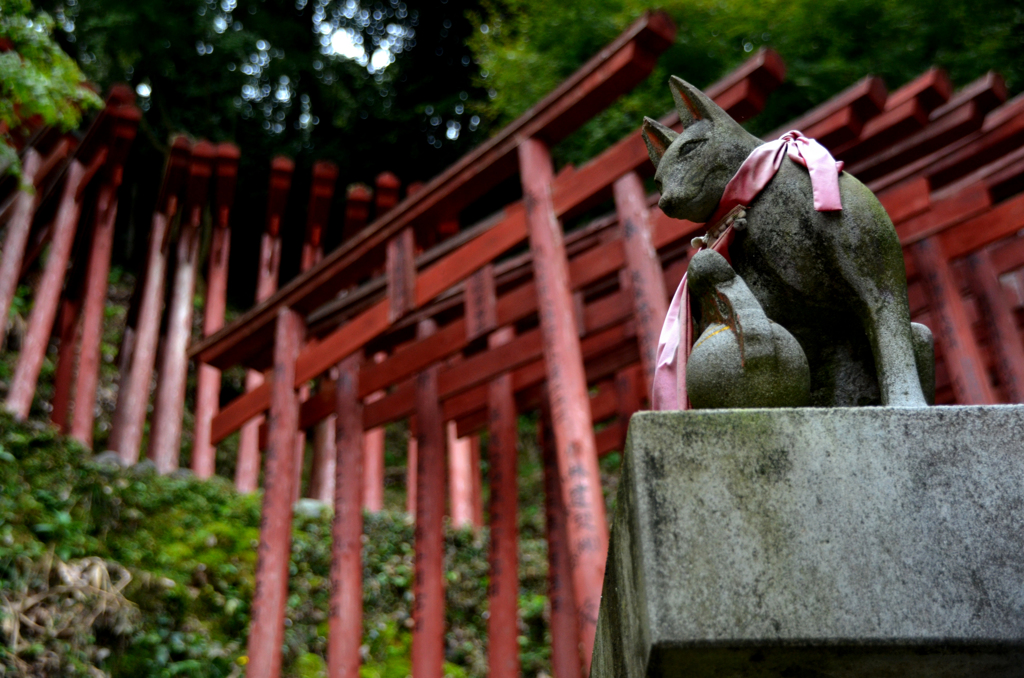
point(120, 572)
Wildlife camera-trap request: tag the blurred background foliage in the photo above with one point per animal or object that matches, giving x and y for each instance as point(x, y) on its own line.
point(372, 86)
point(328, 78)
point(526, 47)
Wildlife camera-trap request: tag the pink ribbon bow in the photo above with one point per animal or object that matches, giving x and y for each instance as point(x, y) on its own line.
point(669, 392)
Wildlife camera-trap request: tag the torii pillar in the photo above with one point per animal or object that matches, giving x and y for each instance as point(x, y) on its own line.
point(247, 470)
point(133, 394)
point(47, 294)
point(321, 480)
point(428, 582)
point(567, 392)
point(169, 401)
point(208, 376)
point(266, 629)
point(124, 121)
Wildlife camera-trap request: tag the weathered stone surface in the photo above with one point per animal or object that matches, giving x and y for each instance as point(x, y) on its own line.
point(311, 508)
point(143, 468)
point(108, 458)
point(818, 542)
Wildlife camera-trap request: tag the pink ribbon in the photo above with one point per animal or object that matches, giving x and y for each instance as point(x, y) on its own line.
point(669, 389)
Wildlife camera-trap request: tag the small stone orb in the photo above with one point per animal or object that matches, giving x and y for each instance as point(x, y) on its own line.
point(716, 377)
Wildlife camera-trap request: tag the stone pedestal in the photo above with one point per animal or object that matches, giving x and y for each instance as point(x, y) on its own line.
point(867, 542)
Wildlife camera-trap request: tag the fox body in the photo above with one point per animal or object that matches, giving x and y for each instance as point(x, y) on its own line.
point(835, 280)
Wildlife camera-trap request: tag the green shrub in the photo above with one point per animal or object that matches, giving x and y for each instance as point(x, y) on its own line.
point(189, 548)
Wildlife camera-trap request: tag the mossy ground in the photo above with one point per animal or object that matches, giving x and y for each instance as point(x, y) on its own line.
point(189, 547)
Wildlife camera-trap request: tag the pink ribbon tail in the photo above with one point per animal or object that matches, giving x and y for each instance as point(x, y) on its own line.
point(669, 388)
point(822, 167)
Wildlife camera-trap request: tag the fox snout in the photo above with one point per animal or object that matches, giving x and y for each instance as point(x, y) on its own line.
point(670, 205)
point(686, 195)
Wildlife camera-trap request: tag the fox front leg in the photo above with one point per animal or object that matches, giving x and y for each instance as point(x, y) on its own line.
point(889, 331)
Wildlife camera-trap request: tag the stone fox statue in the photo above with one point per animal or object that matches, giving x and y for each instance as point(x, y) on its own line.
point(834, 279)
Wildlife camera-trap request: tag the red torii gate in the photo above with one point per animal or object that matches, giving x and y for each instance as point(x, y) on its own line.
point(100, 157)
point(948, 167)
point(409, 284)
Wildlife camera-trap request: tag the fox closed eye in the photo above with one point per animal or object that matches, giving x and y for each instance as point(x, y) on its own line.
point(690, 146)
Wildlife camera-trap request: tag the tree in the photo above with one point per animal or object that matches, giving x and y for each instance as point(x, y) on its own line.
point(38, 81)
point(371, 85)
point(338, 79)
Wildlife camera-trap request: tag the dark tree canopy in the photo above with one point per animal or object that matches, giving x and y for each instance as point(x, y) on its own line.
point(336, 79)
point(370, 85)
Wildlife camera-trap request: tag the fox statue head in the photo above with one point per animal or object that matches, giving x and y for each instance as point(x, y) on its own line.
point(694, 166)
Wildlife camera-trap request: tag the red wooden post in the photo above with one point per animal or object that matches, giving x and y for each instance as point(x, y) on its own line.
point(325, 174)
point(125, 350)
point(247, 469)
point(503, 594)
point(68, 316)
point(169, 401)
point(411, 467)
point(373, 453)
point(645, 280)
point(17, 236)
point(565, 647)
point(481, 303)
point(401, 294)
point(324, 439)
point(208, 376)
point(460, 479)
point(133, 395)
point(346, 614)
point(67, 330)
point(321, 480)
point(567, 389)
point(428, 608)
point(357, 209)
point(388, 186)
point(476, 486)
point(88, 320)
point(300, 434)
point(124, 121)
point(44, 171)
point(44, 308)
point(481, 317)
point(373, 471)
point(266, 630)
point(952, 326)
point(401, 272)
point(1004, 337)
point(247, 466)
point(627, 393)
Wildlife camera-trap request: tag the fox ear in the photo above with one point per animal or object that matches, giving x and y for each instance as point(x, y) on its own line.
point(658, 138)
point(693, 105)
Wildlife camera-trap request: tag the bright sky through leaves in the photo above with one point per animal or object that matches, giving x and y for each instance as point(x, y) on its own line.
point(343, 34)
